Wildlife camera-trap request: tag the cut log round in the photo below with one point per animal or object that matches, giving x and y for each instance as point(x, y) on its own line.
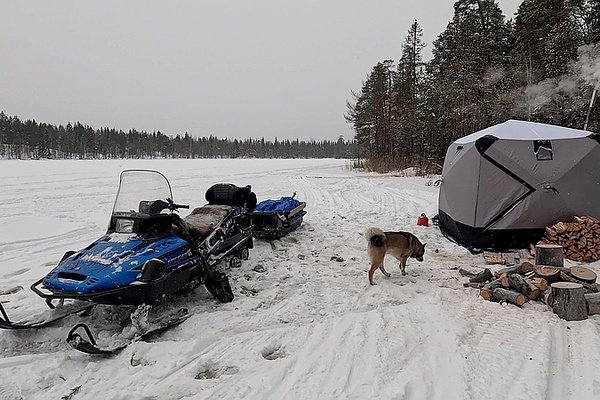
point(569, 301)
point(549, 254)
point(583, 274)
point(550, 274)
point(587, 287)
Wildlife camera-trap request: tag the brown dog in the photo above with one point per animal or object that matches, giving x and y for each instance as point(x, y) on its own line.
point(401, 245)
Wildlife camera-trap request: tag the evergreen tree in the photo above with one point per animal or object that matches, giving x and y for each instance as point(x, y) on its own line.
point(371, 116)
point(474, 45)
point(407, 97)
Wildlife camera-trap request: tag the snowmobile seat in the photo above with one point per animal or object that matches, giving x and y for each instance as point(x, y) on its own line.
point(203, 220)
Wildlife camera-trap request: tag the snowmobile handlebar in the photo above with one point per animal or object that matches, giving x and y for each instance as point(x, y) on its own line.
point(156, 206)
point(173, 206)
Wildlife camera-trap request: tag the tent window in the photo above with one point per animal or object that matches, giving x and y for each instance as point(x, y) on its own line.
point(543, 150)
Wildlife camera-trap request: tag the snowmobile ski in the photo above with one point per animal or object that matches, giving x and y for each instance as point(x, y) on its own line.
point(158, 326)
point(41, 321)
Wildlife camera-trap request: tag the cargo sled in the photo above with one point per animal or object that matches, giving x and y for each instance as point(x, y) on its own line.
point(274, 219)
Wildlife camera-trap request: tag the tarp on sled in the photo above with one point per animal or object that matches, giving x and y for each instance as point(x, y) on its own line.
point(274, 219)
point(503, 185)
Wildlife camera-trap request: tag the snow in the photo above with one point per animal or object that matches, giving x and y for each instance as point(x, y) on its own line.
point(305, 323)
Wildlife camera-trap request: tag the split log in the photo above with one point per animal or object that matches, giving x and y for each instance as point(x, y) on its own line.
point(580, 239)
point(518, 283)
point(593, 303)
point(588, 287)
point(510, 296)
point(549, 254)
point(522, 268)
point(569, 301)
point(483, 276)
point(504, 280)
point(488, 289)
point(493, 258)
point(583, 274)
point(532, 250)
point(546, 297)
point(538, 282)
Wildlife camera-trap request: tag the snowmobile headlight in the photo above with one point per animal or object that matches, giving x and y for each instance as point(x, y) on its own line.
point(124, 225)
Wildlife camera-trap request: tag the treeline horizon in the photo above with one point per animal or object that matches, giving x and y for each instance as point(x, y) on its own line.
point(33, 140)
point(543, 65)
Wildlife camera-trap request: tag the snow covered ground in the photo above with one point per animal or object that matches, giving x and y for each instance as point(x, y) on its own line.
point(304, 324)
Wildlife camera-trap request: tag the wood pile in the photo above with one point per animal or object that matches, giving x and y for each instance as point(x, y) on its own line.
point(521, 283)
point(580, 238)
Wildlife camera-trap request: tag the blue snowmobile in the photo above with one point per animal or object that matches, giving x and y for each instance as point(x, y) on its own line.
point(150, 252)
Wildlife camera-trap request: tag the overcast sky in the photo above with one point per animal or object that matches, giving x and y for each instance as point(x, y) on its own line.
point(228, 68)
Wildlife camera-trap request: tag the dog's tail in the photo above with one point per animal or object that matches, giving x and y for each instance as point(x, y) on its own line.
point(375, 237)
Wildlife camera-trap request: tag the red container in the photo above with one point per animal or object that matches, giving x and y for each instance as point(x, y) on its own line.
point(423, 220)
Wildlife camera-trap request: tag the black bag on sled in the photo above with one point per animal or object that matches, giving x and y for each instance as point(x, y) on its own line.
point(231, 195)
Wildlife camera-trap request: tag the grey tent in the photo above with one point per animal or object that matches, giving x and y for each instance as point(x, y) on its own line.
point(503, 185)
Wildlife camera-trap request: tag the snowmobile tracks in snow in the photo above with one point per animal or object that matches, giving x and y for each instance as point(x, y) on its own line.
point(491, 344)
point(87, 343)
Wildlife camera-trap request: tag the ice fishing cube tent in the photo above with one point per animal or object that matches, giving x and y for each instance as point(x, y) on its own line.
point(503, 185)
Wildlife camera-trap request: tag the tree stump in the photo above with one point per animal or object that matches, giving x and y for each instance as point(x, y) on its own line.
point(569, 301)
point(549, 254)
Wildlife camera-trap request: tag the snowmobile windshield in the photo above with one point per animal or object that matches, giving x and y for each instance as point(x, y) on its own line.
point(142, 191)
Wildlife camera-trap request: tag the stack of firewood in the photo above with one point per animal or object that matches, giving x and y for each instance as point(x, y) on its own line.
point(580, 238)
point(523, 282)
